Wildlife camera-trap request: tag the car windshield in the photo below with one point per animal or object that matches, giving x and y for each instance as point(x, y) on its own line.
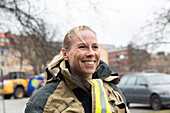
point(159, 79)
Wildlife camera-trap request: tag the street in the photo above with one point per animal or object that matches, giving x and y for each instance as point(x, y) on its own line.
point(18, 106)
point(139, 108)
point(13, 105)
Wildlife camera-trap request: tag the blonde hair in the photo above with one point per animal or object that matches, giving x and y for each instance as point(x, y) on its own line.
point(67, 43)
point(74, 32)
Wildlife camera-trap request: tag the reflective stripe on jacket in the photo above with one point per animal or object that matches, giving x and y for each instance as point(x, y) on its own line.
point(99, 98)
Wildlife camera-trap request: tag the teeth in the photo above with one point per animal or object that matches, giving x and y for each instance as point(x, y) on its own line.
point(89, 62)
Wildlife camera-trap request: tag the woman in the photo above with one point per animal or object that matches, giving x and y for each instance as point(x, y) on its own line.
point(84, 83)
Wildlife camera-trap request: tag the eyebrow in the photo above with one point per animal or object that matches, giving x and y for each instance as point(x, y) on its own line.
point(87, 44)
point(83, 42)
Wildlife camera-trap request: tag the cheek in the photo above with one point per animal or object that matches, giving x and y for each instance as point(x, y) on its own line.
point(73, 56)
point(98, 54)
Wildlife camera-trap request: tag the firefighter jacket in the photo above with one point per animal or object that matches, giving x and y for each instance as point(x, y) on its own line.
point(64, 94)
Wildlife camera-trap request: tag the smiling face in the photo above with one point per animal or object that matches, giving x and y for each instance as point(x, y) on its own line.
point(83, 56)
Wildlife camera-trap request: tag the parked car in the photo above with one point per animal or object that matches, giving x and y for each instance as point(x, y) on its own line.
point(146, 88)
point(14, 84)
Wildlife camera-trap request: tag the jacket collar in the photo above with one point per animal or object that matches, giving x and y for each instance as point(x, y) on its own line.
point(103, 71)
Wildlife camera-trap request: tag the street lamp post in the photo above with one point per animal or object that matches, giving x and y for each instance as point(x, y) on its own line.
point(121, 57)
point(2, 80)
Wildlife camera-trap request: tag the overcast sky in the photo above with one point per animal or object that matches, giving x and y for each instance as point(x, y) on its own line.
point(115, 21)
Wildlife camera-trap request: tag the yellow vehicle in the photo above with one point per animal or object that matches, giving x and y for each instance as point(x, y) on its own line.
point(14, 84)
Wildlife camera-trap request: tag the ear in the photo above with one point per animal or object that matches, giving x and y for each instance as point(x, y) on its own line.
point(64, 54)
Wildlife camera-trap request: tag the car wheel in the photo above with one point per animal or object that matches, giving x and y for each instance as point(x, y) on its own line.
point(155, 102)
point(19, 93)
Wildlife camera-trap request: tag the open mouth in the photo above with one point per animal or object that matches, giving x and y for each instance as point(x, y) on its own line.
point(89, 62)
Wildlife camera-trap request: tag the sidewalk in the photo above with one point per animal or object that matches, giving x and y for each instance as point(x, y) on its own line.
point(13, 105)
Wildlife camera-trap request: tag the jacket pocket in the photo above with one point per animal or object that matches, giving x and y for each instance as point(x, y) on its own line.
point(65, 105)
point(116, 103)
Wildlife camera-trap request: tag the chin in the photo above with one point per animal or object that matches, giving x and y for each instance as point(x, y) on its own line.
point(88, 75)
point(89, 72)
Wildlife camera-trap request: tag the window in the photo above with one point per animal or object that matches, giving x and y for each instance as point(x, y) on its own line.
point(21, 75)
point(140, 81)
point(4, 51)
point(131, 80)
point(4, 40)
point(13, 75)
point(2, 63)
point(123, 80)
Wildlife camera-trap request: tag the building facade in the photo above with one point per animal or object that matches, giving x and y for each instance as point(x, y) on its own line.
point(9, 59)
point(124, 60)
point(118, 59)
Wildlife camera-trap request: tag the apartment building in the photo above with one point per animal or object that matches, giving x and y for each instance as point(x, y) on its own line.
point(136, 60)
point(9, 59)
point(118, 59)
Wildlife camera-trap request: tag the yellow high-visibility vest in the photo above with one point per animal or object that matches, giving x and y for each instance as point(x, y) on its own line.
point(99, 94)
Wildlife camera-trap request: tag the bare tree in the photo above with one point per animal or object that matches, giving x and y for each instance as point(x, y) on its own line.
point(137, 58)
point(34, 41)
point(37, 51)
point(156, 32)
point(20, 12)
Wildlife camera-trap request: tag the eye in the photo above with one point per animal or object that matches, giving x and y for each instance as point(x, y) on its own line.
point(96, 47)
point(82, 46)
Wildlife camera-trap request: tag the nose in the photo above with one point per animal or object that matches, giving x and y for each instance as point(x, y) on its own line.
point(90, 52)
